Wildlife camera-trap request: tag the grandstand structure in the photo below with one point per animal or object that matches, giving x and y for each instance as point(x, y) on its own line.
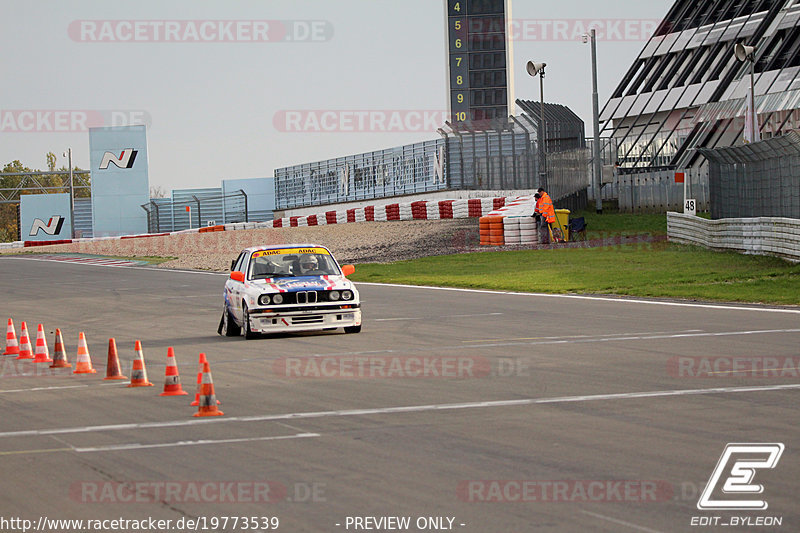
point(687, 90)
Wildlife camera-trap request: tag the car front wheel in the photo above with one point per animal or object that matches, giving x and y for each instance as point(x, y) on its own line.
point(352, 329)
point(227, 327)
point(248, 333)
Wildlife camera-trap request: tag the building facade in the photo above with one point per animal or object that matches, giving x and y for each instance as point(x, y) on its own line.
point(687, 90)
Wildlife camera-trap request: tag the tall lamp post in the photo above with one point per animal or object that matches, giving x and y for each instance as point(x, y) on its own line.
point(747, 53)
point(535, 69)
point(68, 155)
point(597, 167)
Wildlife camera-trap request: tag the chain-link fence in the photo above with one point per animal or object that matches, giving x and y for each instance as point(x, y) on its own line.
point(195, 210)
point(761, 179)
point(409, 169)
point(498, 155)
point(660, 192)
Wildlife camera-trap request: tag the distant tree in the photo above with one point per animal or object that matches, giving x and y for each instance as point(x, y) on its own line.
point(51, 161)
point(157, 191)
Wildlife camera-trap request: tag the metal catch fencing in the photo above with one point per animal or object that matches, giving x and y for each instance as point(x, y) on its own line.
point(408, 169)
point(501, 154)
point(204, 209)
point(761, 179)
point(658, 192)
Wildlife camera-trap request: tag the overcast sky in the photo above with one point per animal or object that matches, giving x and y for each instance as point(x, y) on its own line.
point(226, 87)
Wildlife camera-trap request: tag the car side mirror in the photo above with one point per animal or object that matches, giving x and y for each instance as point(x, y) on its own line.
point(237, 276)
point(348, 269)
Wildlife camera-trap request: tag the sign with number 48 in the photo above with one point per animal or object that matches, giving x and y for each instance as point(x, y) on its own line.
point(690, 207)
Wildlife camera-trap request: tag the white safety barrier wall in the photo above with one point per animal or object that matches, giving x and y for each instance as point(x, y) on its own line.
point(758, 236)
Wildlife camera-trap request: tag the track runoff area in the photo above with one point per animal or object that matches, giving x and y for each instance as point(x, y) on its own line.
point(451, 410)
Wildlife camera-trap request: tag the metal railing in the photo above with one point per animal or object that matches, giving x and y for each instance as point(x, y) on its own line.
point(761, 179)
point(171, 214)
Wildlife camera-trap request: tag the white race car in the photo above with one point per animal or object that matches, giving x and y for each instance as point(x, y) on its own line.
point(287, 288)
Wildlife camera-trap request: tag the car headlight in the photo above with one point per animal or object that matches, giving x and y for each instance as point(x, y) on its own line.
point(333, 295)
point(277, 299)
point(347, 295)
point(264, 299)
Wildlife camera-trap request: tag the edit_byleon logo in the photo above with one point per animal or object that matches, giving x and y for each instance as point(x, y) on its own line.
point(739, 462)
point(53, 226)
point(125, 159)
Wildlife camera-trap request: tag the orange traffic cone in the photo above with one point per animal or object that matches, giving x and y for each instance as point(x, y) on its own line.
point(83, 365)
point(59, 353)
point(199, 389)
point(42, 353)
point(208, 400)
point(112, 368)
point(172, 380)
point(139, 372)
point(24, 344)
point(12, 348)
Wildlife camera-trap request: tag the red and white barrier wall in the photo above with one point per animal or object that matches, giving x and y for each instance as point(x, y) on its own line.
point(419, 210)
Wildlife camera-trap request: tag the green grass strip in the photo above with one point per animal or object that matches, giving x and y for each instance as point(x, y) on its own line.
point(642, 269)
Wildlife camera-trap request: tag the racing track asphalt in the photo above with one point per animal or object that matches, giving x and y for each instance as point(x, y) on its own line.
point(547, 392)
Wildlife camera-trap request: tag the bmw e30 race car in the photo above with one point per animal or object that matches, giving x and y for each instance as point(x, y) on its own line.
point(289, 288)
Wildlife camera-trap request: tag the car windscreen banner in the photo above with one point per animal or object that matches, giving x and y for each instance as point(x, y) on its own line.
point(290, 251)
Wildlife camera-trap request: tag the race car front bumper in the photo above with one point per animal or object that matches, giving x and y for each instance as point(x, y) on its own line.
point(311, 320)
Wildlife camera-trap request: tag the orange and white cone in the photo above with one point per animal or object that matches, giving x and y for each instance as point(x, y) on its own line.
point(139, 372)
point(83, 365)
point(197, 392)
point(25, 351)
point(208, 400)
point(112, 368)
point(42, 354)
point(59, 353)
point(12, 348)
point(172, 380)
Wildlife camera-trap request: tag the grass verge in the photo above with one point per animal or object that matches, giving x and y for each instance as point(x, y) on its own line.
point(643, 269)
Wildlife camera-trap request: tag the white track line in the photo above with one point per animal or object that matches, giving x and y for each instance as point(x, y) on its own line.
point(43, 388)
point(432, 317)
point(402, 409)
point(152, 269)
point(137, 446)
point(621, 299)
point(621, 522)
point(559, 340)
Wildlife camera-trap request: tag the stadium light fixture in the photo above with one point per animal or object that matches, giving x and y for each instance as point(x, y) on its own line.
point(537, 69)
point(748, 53)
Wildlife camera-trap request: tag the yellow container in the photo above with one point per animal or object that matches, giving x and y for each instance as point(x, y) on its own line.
point(562, 222)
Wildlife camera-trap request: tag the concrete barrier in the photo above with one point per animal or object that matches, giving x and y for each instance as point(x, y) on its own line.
point(757, 236)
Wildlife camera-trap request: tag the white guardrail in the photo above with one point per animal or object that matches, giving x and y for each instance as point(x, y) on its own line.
point(758, 236)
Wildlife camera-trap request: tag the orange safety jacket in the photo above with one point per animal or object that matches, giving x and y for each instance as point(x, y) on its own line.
point(547, 209)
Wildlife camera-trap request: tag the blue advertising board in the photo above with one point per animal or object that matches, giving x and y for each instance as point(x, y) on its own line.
point(44, 217)
point(120, 184)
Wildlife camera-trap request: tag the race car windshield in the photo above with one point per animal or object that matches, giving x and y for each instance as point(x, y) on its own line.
point(284, 265)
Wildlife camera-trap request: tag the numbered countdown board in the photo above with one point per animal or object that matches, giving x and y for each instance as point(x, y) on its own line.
point(479, 54)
